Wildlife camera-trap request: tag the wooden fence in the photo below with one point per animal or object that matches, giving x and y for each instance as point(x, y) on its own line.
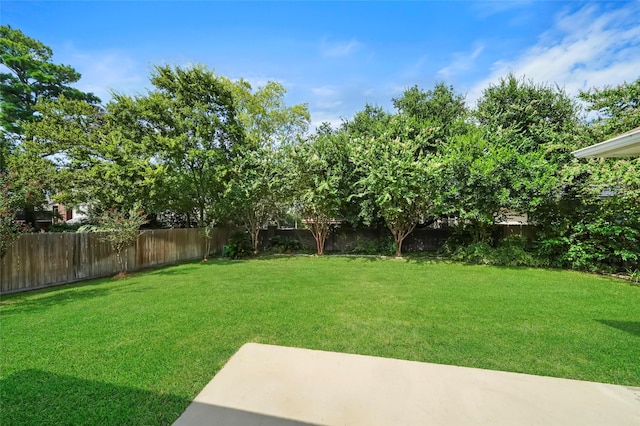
point(48, 259)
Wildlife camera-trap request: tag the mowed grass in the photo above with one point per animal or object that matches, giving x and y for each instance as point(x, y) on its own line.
point(137, 350)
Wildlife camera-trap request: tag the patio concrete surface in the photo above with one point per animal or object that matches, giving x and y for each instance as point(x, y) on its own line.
point(274, 385)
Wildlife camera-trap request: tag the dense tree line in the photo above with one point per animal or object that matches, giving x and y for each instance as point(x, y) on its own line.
point(205, 150)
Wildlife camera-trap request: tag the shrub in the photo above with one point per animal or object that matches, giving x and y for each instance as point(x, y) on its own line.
point(65, 227)
point(594, 243)
point(383, 246)
point(239, 246)
point(511, 251)
point(121, 229)
point(281, 244)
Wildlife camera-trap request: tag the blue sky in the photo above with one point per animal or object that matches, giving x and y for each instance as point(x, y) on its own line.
point(337, 56)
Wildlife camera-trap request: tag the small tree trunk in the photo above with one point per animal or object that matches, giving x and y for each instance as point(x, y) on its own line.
point(399, 234)
point(320, 243)
point(399, 241)
point(319, 232)
point(122, 261)
point(255, 234)
point(207, 248)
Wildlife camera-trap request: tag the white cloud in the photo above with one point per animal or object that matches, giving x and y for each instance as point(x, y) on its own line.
point(587, 48)
point(104, 71)
point(319, 117)
point(329, 104)
point(339, 49)
point(462, 62)
point(325, 91)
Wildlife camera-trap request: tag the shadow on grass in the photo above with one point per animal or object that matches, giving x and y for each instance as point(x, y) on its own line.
point(31, 397)
point(632, 327)
point(56, 296)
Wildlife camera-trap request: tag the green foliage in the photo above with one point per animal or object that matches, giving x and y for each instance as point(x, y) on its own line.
point(31, 179)
point(598, 234)
point(190, 121)
point(510, 251)
point(474, 182)
point(121, 229)
point(10, 230)
point(203, 147)
point(29, 77)
point(110, 168)
point(617, 109)
point(527, 116)
point(374, 246)
point(398, 182)
point(595, 225)
point(266, 119)
point(257, 191)
point(369, 123)
point(239, 246)
point(257, 188)
point(319, 169)
point(32, 77)
point(65, 227)
point(440, 112)
point(281, 244)
point(481, 178)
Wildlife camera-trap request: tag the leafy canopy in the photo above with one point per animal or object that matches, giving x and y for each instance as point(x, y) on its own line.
point(31, 77)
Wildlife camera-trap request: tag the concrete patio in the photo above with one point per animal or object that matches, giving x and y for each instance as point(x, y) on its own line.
point(273, 385)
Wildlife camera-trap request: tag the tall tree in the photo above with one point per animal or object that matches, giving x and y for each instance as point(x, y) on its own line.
point(370, 122)
point(479, 179)
point(265, 117)
point(528, 116)
point(257, 186)
point(100, 160)
point(190, 120)
point(439, 113)
point(257, 191)
point(596, 224)
point(317, 170)
point(31, 77)
point(398, 179)
point(617, 109)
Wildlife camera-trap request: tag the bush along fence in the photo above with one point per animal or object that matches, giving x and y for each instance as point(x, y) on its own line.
point(372, 240)
point(348, 240)
point(48, 259)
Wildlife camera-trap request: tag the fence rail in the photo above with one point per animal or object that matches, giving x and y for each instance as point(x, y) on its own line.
point(43, 260)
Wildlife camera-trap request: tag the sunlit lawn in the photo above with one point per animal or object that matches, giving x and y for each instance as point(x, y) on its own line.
point(137, 350)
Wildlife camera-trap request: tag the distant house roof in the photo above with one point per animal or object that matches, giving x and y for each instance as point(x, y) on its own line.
point(624, 145)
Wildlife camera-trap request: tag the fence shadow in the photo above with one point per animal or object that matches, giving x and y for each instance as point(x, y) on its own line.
point(31, 397)
point(54, 296)
point(632, 327)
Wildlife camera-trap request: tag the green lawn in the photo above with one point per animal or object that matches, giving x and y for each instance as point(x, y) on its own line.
point(137, 350)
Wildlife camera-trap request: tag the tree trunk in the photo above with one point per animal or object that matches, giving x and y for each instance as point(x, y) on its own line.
point(399, 234)
point(207, 247)
point(399, 241)
point(255, 234)
point(320, 243)
point(319, 232)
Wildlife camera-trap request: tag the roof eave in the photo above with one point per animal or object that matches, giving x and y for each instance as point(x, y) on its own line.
point(625, 145)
